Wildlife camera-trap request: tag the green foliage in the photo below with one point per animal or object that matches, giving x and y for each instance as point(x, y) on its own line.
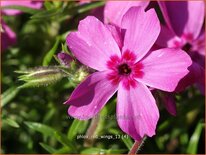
point(45, 130)
point(102, 151)
point(48, 148)
point(48, 131)
point(194, 140)
point(127, 141)
point(47, 14)
point(8, 95)
point(86, 7)
point(76, 128)
point(10, 122)
point(47, 59)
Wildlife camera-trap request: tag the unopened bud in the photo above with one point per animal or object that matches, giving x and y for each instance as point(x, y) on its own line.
point(41, 76)
point(65, 59)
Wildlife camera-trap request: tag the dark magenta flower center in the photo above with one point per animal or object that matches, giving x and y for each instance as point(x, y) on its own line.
point(124, 69)
point(187, 47)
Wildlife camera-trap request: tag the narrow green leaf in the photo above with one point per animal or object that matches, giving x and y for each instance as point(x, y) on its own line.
point(47, 59)
point(73, 130)
point(46, 14)
point(44, 129)
point(58, 4)
point(10, 122)
point(78, 9)
point(63, 150)
point(48, 131)
point(90, 6)
point(116, 151)
point(64, 140)
point(47, 148)
point(93, 151)
point(48, 5)
point(102, 151)
point(193, 143)
point(56, 58)
point(126, 139)
point(184, 138)
point(8, 95)
point(22, 8)
point(64, 47)
point(127, 142)
point(160, 142)
point(164, 125)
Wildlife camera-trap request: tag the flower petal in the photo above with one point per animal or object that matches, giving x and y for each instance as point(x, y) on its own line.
point(194, 24)
point(165, 37)
point(137, 112)
point(199, 44)
point(169, 103)
point(182, 16)
point(114, 10)
point(8, 36)
point(164, 68)
point(196, 75)
point(117, 33)
point(142, 30)
point(93, 44)
point(90, 96)
point(27, 3)
point(166, 14)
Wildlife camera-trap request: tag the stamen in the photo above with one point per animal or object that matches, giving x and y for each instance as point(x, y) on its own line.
point(187, 47)
point(124, 69)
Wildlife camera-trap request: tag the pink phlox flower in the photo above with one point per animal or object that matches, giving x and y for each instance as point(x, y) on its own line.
point(183, 30)
point(125, 65)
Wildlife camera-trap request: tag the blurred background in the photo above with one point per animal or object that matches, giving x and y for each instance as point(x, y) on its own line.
point(34, 119)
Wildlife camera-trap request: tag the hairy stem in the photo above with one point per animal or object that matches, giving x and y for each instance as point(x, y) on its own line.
point(137, 146)
point(91, 131)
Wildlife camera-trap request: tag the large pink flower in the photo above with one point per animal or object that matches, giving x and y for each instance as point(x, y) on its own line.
point(123, 62)
point(183, 31)
point(26, 3)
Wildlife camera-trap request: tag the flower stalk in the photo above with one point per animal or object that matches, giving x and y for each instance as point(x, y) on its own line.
point(91, 131)
point(137, 146)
